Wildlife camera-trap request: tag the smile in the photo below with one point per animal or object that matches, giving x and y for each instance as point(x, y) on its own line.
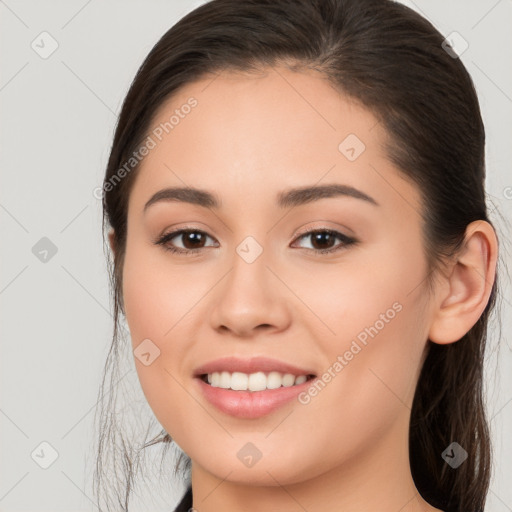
point(259, 381)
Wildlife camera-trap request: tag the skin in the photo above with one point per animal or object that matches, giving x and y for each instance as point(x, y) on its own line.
point(250, 137)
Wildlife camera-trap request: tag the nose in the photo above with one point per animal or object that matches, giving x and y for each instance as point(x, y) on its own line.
point(250, 299)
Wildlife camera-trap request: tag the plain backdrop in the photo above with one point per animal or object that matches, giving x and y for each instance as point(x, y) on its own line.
point(57, 118)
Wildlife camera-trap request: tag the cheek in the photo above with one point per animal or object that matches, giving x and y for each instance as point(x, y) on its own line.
point(155, 296)
point(368, 384)
point(376, 310)
point(159, 305)
point(364, 294)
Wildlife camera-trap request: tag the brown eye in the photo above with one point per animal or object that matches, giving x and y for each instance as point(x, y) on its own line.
point(323, 240)
point(192, 240)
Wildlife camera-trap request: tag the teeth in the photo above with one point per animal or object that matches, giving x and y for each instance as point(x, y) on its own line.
point(253, 382)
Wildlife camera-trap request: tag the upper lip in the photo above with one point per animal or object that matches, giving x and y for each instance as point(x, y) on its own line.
point(252, 365)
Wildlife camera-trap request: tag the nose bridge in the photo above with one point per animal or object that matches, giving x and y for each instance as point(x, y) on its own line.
point(250, 250)
point(248, 279)
point(247, 297)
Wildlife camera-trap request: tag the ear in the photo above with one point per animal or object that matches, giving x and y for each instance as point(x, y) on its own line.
point(112, 240)
point(466, 287)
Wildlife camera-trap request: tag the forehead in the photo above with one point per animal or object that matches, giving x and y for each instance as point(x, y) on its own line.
point(275, 106)
point(262, 131)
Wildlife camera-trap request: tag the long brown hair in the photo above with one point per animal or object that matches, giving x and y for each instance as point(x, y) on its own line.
point(393, 61)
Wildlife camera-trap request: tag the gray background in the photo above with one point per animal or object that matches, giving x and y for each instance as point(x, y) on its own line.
point(58, 116)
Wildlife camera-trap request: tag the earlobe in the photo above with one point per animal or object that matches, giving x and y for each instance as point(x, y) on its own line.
point(467, 286)
point(112, 240)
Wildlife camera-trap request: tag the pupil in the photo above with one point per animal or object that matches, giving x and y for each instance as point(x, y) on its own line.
point(193, 237)
point(319, 236)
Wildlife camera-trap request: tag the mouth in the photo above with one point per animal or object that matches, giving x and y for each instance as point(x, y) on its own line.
point(253, 382)
point(251, 388)
point(255, 395)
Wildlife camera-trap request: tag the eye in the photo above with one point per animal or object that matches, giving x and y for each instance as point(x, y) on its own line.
point(193, 241)
point(323, 238)
point(193, 238)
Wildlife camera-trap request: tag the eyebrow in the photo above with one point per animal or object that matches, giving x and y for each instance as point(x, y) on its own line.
point(285, 199)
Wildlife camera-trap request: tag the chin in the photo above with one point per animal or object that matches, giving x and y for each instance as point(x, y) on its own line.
point(270, 473)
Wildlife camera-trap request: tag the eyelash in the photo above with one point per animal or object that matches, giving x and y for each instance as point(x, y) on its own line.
point(162, 240)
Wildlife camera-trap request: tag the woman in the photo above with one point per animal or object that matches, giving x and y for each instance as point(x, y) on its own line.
point(302, 251)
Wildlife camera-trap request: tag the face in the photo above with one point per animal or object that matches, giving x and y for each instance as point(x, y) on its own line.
point(251, 280)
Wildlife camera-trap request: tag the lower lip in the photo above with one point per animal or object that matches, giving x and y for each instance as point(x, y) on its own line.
point(250, 404)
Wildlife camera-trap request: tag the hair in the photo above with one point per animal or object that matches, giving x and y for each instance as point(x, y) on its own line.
point(391, 61)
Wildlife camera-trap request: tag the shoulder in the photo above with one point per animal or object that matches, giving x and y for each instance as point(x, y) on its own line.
point(186, 502)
